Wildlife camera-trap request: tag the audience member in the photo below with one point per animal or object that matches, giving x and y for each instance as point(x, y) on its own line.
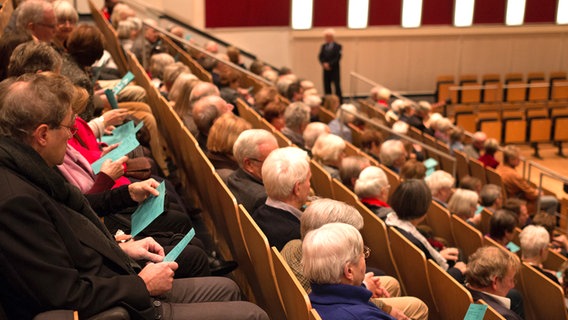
point(371, 141)
point(502, 226)
point(491, 197)
point(372, 188)
point(331, 102)
point(251, 149)
point(471, 183)
point(222, 136)
point(148, 44)
point(297, 117)
point(323, 211)
point(205, 111)
point(490, 276)
point(440, 184)
point(286, 175)
point(421, 116)
point(66, 18)
point(410, 202)
point(333, 259)
point(345, 115)
point(274, 114)
point(412, 169)
point(463, 203)
point(350, 169)
point(518, 207)
point(474, 149)
point(443, 129)
point(263, 97)
point(381, 97)
point(35, 117)
point(517, 187)
point(488, 158)
point(456, 139)
point(329, 151)
point(314, 102)
point(38, 18)
point(393, 155)
point(534, 247)
point(312, 132)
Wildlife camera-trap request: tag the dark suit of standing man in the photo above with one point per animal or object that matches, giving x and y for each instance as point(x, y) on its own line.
point(329, 56)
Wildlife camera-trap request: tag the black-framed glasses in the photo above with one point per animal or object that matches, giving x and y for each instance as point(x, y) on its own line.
point(366, 252)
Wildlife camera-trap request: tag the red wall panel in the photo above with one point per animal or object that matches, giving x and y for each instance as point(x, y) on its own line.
point(489, 11)
point(540, 11)
point(330, 13)
point(439, 12)
point(247, 13)
point(385, 12)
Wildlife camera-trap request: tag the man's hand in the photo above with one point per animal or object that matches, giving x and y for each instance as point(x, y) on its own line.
point(114, 169)
point(373, 284)
point(145, 249)
point(139, 191)
point(326, 66)
point(158, 277)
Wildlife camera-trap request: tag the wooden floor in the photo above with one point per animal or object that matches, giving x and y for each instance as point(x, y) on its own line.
point(551, 160)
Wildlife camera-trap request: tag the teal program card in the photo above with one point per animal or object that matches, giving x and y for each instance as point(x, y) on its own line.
point(475, 312)
point(172, 255)
point(148, 211)
point(123, 148)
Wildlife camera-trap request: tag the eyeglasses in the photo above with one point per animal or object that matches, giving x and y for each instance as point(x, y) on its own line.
point(72, 129)
point(366, 252)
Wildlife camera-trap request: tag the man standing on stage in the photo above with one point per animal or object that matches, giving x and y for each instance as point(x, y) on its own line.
point(329, 57)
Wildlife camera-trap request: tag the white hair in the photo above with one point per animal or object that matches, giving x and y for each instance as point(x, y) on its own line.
point(282, 169)
point(296, 115)
point(312, 132)
point(391, 150)
point(346, 113)
point(461, 203)
point(400, 127)
point(534, 239)
point(328, 148)
point(439, 179)
point(312, 100)
point(326, 251)
point(323, 211)
point(248, 142)
point(371, 183)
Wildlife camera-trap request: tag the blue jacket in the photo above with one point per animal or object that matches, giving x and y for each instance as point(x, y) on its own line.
point(344, 302)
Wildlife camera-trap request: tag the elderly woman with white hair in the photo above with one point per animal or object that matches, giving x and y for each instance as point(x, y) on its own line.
point(440, 184)
point(372, 188)
point(66, 17)
point(334, 262)
point(534, 247)
point(463, 203)
point(345, 115)
point(312, 132)
point(329, 151)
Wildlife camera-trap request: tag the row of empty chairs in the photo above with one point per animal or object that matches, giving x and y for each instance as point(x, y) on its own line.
point(513, 87)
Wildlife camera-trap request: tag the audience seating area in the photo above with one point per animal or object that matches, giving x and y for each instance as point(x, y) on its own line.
point(264, 276)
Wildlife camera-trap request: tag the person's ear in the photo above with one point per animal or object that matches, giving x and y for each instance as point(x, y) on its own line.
point(348, 271)
point(40, 135)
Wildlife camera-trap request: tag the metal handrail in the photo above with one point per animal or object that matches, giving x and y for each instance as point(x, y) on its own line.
point(354, 74)
point(203, 51)
point(544, 172)
point(404, 136)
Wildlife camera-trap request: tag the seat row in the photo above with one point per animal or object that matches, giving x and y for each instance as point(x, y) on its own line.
point(513, 88)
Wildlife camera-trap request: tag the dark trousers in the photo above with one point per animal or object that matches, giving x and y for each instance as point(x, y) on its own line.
point(329, 77)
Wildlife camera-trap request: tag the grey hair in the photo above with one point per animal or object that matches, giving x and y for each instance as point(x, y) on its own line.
point(65, 11)
point(326, 251)
point(371, 182)
point(282, 169)
point(323, 211)
point(201, 90)
point(246, 145)
point(158, 63)
point(461, 202)
point(32, 11)
point(296, 115)
point(533, 240)
point(33, 99)
point(312, 132)
point(390, 151)
point(489, 194)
